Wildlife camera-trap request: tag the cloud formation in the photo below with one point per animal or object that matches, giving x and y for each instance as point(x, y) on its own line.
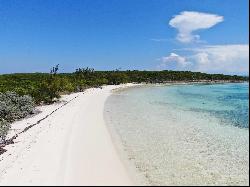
point(232, 59)
point(228, 59)
point(173, 62)
point(188, 22)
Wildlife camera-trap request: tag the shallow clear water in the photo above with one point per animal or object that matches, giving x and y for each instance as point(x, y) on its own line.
point(184, 134)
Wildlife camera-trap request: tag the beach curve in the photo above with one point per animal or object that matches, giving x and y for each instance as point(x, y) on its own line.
point(70, 147)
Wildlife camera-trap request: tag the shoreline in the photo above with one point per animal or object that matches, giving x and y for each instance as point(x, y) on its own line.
point(196, 82)
point(83, 147)
point(71, 146)
point(134, 134)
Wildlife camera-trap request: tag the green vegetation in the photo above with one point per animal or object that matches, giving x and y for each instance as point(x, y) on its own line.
point(20, 92)
point(45, 87)
point(13, 107)
point(4, 128)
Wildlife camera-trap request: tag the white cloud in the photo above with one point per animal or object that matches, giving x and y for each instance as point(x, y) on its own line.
point(173, 62)
point(232, 59)
point(188, 21)
point(227, 59)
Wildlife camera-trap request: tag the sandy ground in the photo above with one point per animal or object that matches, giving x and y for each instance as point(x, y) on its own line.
point(70, 147)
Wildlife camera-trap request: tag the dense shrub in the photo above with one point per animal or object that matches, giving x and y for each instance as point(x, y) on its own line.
point(46, 87)
point(13, 107)
point(4, 127)
point(51, 87)
point(47, 91)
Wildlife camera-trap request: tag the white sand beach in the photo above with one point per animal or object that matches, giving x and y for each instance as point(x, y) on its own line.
point(72, 146)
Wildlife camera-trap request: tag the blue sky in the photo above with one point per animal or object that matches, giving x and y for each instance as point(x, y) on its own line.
point(205, 35)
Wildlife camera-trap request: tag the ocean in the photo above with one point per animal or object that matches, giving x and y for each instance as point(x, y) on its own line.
point(183, 134)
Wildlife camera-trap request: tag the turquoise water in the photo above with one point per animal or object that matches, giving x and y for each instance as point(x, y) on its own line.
point(184, 134)
point(227, 102)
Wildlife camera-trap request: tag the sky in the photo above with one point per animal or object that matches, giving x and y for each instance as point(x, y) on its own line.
point(196, 35)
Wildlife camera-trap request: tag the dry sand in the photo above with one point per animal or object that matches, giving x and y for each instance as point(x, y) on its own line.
point(70, 147)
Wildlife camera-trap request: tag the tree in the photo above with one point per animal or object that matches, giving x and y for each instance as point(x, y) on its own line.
point(50, 88)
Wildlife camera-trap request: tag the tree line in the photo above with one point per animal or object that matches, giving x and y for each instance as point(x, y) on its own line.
point(19, 93)
point(46, 87)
